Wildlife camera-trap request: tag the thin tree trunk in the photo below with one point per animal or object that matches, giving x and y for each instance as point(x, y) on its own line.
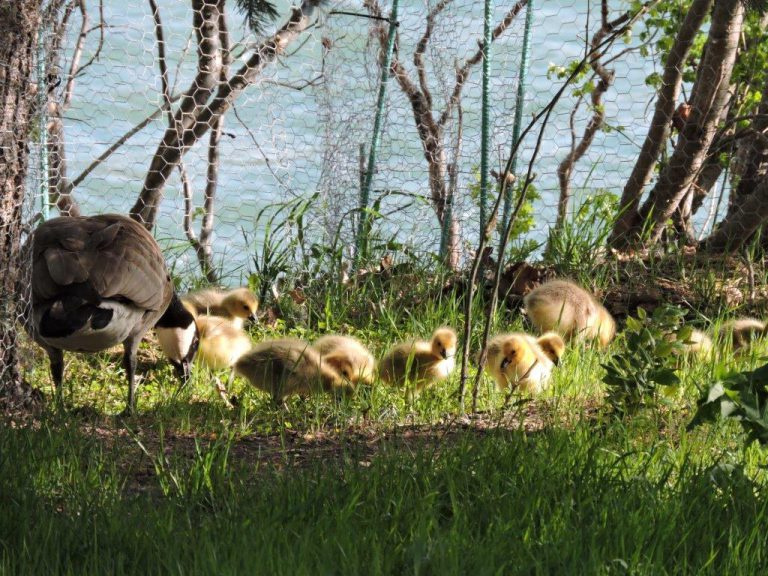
point(709, 97)
point(431, 131)
point(196, 118)
point(628, 223)
point(19, 22)
point(605, 80)
point(735, 232)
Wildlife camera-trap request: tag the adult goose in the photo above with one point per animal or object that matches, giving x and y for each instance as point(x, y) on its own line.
point(97, 282)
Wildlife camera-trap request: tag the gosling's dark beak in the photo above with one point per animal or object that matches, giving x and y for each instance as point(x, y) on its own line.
point(556, 361)
point(444, 354)
point(252, 319)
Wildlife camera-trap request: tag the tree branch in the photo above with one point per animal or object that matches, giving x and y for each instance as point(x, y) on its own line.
point(172, 147)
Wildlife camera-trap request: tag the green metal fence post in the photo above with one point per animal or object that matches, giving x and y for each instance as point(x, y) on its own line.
point(485, 145)
point(42, 110)
point(365, 192)
point(519, 102)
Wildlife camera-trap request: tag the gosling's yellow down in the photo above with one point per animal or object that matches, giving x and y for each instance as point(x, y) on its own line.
point(420, 362)
point(742, 332)
point(552, 344)
point(237, 305)
point(288, 366)
point(698, 344)
point(348, 356)
point(518, 360)
point(222, 343)
point(566, 308)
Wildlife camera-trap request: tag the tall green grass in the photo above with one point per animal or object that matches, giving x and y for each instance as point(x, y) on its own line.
point(566, 501)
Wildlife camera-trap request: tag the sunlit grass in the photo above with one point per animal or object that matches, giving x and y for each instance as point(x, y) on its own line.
point(373, 483)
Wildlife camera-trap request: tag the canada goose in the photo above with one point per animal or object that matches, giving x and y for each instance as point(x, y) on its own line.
point(179, 343)
point(569, 310)
point(97, 282)
point(288, 366)
point(348, 356)
point(742, 332)
point(517, 361)
point(237, 305)
point(420, 362)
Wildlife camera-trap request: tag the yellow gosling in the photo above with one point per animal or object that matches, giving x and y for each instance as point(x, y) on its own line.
point(348, 356)
point(571, 311)
point(552, 345)
point(419, 362)
point(237, 305)
point(288, 366)
point(517, 361)
point(222, 343)
point(698, 344)
point(742, 332)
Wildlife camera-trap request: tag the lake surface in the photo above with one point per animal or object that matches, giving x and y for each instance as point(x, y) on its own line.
point(290, 143)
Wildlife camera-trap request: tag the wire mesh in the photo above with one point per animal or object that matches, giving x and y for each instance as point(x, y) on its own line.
point(302, 127)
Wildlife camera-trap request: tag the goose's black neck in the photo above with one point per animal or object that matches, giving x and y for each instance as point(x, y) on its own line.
point(175, 316)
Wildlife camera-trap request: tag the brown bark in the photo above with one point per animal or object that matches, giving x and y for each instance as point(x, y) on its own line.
point(19, 22)
point(196, 115)
point(605, 80)
point(627, 226)
point(708, 98)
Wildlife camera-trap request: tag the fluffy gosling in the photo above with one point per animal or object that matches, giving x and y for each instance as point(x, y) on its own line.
point(569, 310)
point(552, 344)
point(237, 305)
point(742, 332)
point(222, 343)
point(420, 362)
point(348, 356)
point(518, 361)
point(288, 366)
point(698, 344)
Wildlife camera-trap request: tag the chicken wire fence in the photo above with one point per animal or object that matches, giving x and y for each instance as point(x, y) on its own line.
point(295, 137)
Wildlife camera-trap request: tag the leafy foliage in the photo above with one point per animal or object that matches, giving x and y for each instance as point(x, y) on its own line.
point(258, 13)
point(742, 397)
point(577, 246)
point(647, 362)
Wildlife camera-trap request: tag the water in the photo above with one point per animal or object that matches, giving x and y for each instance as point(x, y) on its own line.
point(293, 142)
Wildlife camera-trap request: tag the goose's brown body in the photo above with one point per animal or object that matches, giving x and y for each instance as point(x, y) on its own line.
point(96, 282)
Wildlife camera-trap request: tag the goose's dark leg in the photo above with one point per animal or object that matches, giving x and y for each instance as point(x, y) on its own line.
point(56, 358)
point(131, 346)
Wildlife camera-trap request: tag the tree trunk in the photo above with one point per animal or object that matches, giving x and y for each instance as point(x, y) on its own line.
point(709, 97)
point(627, 226)
point(19, 22)
point(196, 115)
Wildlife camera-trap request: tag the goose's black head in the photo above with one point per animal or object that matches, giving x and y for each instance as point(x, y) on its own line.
point(177, 317)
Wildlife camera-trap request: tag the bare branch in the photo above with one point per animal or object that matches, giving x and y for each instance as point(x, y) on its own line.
point(101, 26)
point(421, 47)
point(462, 73)
point(172, 147)
point(606, 77)
point(76, 54)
